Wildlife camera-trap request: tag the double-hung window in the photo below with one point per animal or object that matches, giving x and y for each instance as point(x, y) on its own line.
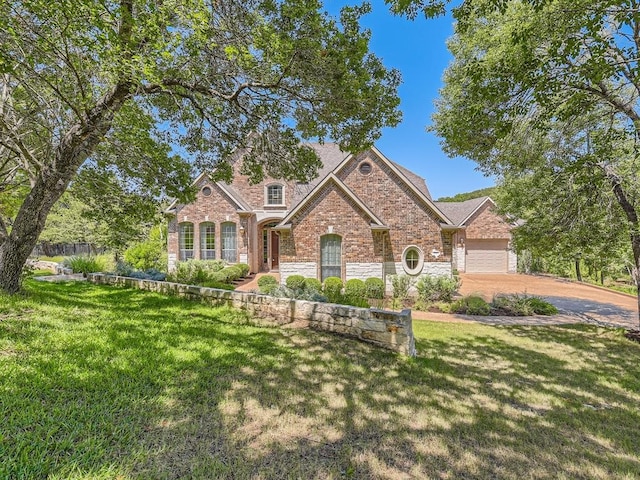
point(330, 256)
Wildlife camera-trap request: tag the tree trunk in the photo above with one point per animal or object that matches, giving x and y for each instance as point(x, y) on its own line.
point(578, 273)
point(634, 224)
point(77, 144)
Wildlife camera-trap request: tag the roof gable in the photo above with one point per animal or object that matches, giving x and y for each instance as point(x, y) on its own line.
point(331, 178)
point(461, 212)
point(400, 172)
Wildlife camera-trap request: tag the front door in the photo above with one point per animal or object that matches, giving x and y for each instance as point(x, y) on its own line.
point(275, 250)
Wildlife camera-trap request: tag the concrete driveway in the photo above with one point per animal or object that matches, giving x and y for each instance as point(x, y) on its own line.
point(584, 302)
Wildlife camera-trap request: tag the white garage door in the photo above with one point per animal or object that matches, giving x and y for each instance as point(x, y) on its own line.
point(487, 256)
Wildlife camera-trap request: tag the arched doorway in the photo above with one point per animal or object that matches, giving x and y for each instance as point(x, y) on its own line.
point(270, 244)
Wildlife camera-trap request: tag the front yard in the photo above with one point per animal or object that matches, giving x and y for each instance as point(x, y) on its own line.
point(100, 382)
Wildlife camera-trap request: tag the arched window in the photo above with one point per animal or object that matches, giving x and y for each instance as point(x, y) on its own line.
point(228, 238)
point(207, 241)
point(274, 195)
point(330, 256)
point(185, 241)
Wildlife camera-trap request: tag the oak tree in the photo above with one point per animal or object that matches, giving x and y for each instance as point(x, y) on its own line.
point(149, 91)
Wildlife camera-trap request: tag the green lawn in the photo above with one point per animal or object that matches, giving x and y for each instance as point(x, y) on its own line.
point(100, 382)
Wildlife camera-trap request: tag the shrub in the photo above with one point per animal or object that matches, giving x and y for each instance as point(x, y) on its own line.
point(313, 285)
point(218, 285)
point(85, 264)
point(355, 289)
point(374, 288)
point(471, 305)
point(401, 285)
point(194, 272)
point(439, 288)
point(521, 305)
point(245, 269)
point(333, 289)
point(150, 274)
point(295, 283)
point(146, 255)
point(542, 307)
point(122, 268)
point(233, 273)
point(267, 284)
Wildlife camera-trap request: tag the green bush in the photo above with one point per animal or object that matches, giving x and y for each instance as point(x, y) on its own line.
point(521, 305)
point(400, 285)
point(233, 273)
point(147, 255)
point(355, 289)
point(218, 285)
point(295, 283)
point(267, 284)
point(471, 305)
point(542, 307)
point(374, 288)
point(332, 288)
point(313, 285)
point(195, 272)
point(244, 268)
point(438, 288)
point(85, 264)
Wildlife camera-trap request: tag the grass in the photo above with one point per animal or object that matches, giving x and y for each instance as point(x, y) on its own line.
point(101, 382)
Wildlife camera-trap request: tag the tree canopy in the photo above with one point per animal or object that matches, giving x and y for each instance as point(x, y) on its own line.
point(141, 93)
point(550, 90)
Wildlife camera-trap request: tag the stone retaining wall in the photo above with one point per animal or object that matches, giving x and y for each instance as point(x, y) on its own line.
point(386, 329)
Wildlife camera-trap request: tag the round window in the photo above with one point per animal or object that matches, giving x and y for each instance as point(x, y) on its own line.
point(412, 260)
point(365, 168)
point(206, 191)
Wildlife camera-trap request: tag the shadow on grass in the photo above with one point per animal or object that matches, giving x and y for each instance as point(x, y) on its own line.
point(124, 382)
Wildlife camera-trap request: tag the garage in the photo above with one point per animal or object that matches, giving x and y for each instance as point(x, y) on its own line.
point(487, 256)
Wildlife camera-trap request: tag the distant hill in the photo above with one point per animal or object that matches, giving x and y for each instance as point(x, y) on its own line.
point(461, 197)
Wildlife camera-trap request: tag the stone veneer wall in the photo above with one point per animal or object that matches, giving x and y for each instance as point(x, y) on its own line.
point(306, 269)
point(390, 330)
point(434, 269)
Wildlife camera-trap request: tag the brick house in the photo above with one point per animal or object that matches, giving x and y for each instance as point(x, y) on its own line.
point(363, 216)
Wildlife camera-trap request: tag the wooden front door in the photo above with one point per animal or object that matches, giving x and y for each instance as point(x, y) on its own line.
point(275, 251)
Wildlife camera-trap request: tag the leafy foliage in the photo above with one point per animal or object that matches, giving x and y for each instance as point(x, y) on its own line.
point(85, 264)
point(400, 284)
point(437, 288)
point(471, 305)
point(267, 284)
point(332, 288)
point(296, 282)
point(312, 285)
point(545, 94)
point(461, 197)
point(374, 288)
point(147, 255)
point(194, 272)
point(102, 95)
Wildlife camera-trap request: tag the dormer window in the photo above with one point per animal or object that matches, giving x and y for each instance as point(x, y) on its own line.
point(274, 195)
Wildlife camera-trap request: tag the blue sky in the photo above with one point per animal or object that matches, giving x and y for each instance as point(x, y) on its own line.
point(417, 48)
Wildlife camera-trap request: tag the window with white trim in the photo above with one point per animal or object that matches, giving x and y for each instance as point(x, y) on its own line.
point(275, 195)
point(330, 256)
point(228, 239)
point(207, 241)
point(412, 260)
point(185, 241)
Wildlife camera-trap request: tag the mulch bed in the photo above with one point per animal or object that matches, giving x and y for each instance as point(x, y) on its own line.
point(633, 335)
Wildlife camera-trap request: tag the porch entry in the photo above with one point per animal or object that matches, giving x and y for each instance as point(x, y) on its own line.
point(270, 248)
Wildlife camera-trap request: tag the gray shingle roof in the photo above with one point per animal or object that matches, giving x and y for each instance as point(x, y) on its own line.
point(331, 156)
point(415, 179)
point(459, 211)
